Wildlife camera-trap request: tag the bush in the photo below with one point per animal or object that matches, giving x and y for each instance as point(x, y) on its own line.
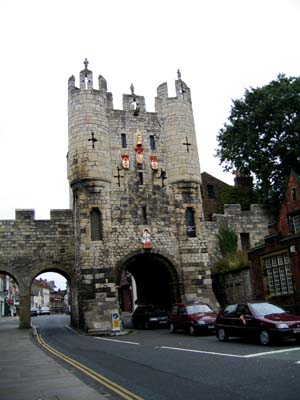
point(230, 262)
point(227, 241)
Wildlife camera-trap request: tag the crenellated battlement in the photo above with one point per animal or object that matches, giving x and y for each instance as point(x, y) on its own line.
point(131, 102)
point(55, 215)
point(183, 92)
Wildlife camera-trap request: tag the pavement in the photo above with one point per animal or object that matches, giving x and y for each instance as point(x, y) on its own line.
point(28, 373)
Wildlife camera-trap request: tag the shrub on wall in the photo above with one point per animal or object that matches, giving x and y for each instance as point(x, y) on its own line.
point(230, 262)
point(227, 241)
point(232, 258)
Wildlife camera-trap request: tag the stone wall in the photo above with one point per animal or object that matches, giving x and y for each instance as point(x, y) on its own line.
point(29, 247)
point(46, 243)
point(236, 285)
point(233, 286)
point(254, 222)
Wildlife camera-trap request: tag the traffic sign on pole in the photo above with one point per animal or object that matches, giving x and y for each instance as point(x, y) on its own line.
point(115, 322)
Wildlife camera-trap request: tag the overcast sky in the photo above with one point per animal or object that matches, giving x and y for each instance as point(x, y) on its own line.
point(221, 47)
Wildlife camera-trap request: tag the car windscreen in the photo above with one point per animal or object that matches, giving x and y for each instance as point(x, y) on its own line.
point(198, 309)
point(263, 309)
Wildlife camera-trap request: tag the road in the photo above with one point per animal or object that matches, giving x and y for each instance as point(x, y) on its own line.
point(159, 365)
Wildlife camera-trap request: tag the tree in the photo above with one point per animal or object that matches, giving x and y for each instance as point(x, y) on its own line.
point(262, 136)
point(238, 195)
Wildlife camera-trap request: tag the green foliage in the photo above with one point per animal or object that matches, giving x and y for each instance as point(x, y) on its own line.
point(230, 262)
point(238, 195)
point(232, 258)
point(262, 136)
point(227, 240)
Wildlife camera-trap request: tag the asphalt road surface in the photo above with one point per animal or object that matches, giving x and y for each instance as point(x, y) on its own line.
point(158, 365)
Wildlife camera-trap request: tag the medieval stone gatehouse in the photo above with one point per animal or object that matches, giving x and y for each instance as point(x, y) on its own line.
point(135, 181)
point(136, 214)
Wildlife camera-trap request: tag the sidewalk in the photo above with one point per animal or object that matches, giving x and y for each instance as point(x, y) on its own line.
point(28, 373)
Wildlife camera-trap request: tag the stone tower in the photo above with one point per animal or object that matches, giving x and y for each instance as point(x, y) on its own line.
point(135, 183)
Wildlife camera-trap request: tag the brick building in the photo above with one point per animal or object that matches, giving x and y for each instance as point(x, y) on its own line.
point(275, 264)
point(211, 192)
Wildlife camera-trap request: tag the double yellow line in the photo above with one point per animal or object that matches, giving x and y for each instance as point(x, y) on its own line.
point(114, 387)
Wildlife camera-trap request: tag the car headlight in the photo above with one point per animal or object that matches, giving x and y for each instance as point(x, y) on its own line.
point(282, 326)
point(153, 319)
point(201, 323)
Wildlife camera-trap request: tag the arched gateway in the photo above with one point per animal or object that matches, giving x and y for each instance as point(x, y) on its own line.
point(136, 207)
point(148, 278)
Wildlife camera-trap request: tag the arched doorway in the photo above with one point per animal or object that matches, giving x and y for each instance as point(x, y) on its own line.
point(148, 278)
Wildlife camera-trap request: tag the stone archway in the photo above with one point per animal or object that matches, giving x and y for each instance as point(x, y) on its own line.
point(24, 274)
point(156, 280)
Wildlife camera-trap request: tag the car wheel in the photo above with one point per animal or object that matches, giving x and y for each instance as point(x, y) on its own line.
point(222, 335)
point(264, 338)
point(172, 328)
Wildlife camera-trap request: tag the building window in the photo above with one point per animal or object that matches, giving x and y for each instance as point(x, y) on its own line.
point(190, 222)
point(124, 141)
point(141, 178)
point(96, 224)
point(295, 224)
point(279, 275)
point(211, 192)
point(144, 215)
point(152, 142)
point(294, 194)
point(245, 241)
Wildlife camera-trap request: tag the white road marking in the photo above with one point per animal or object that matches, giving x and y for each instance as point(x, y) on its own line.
point(272, 352)
point(265, 353)
point(115, 340)
point(234, 355)
point(202, 352)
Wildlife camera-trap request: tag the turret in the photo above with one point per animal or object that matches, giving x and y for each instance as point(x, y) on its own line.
point(176, 113)
point(88, 156)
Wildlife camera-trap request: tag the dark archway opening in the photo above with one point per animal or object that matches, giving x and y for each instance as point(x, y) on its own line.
point(155, 281)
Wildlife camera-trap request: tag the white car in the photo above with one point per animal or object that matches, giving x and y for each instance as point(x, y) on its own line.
point(44, 311)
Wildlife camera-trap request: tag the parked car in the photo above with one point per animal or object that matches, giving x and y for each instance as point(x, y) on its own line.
point(44, 311)
point(33, 312)
point(148, 316)
point(261, 320)
point(195, 317)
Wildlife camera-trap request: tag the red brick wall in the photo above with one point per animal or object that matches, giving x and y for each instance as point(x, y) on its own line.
point(211, 205)
point(289, 206)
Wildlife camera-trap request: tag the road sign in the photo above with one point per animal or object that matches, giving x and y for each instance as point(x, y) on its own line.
point(115, 322)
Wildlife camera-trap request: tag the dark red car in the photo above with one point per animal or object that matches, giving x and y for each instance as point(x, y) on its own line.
point(195, 317)
point(261, 320)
